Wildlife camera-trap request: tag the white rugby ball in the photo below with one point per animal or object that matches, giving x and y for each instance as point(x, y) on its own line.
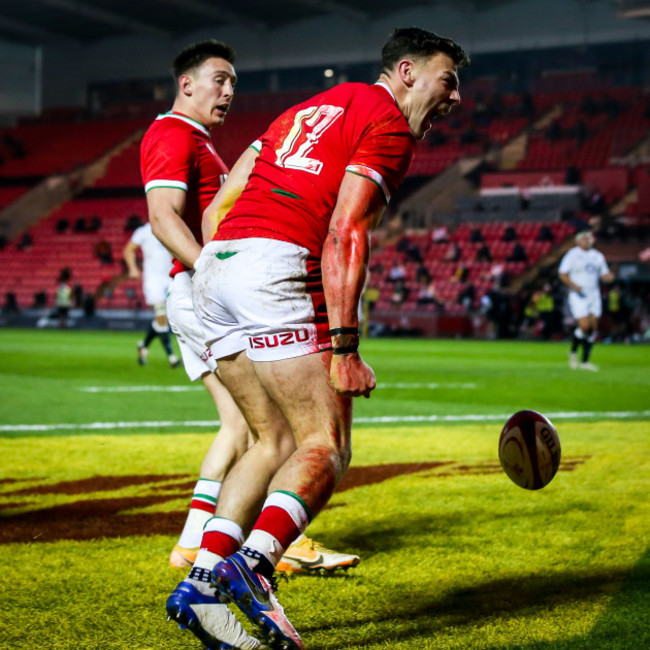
point(529, 450)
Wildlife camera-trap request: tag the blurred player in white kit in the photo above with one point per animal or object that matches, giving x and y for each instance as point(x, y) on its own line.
point(581, 269)
point(156, 265)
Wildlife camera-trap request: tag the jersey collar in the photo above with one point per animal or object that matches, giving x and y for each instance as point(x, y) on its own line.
point(184, 118)
point(387, 88)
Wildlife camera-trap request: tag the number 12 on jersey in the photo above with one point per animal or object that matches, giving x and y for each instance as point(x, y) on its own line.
point(308, 126)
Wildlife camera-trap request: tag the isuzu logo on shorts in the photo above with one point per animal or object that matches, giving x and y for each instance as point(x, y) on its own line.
point(276, 340)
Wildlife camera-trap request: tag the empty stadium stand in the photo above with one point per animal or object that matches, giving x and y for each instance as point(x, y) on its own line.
point(594, 135)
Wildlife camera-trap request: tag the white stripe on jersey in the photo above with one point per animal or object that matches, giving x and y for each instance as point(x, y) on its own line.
point(164, 183)
point(372, 175)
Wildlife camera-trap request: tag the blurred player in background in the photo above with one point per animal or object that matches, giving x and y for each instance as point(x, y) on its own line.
point(156, 264)
point(63, 296)
point(581, 269)
point(277, 293)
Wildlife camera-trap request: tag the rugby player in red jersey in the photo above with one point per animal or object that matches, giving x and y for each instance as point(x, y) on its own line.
point(182, 173)
point(277, 294)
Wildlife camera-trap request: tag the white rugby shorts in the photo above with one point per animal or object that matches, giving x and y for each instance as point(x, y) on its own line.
point(197, 359)
point(155, 289)
point(583, 306)
point(263, 296)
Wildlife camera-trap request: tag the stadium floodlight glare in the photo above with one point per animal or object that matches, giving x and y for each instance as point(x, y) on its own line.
point(329, 73)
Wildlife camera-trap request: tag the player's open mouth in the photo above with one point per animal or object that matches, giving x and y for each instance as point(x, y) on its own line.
point(223, 108)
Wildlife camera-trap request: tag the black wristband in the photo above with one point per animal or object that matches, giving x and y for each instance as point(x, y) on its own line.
point(344, 330)
point(348, 349)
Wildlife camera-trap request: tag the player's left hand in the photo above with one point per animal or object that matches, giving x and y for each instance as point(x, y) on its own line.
point(351, 376)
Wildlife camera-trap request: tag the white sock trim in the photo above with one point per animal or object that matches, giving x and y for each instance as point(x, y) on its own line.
point(206, 559)
point(208, 487)
point(225, 526)
point(266, 544)
point(291, 506)
point(193, 529)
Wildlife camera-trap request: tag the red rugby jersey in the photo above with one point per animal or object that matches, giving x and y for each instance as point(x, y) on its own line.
point(304, 155)
point(177, 151)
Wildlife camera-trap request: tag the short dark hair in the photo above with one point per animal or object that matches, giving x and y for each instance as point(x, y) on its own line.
point(195, 54)
point(419, 44)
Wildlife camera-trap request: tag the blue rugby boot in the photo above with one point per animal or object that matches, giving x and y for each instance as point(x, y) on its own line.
point(254, 595)
point(194, 606)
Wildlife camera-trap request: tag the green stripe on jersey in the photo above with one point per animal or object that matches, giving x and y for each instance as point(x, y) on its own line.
point(372, 180)
point(275, 190)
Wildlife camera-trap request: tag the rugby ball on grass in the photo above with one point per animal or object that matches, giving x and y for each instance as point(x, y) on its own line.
point(529, 450)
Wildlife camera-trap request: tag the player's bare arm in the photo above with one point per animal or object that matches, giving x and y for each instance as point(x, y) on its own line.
point(166, 206)
point(564, 277)
point(225, 198)
point(129, 257)
point(344, 266)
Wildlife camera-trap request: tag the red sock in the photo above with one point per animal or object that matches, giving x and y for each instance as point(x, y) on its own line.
point(222, 537)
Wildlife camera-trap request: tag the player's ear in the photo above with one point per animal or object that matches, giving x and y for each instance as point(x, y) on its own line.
point(405, 70)
point(185, 84)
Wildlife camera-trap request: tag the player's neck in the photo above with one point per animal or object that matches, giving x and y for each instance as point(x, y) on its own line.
point(396, 90)
point(185, 110)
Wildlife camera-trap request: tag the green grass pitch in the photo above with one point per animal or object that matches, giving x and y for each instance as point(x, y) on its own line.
point(98, 455)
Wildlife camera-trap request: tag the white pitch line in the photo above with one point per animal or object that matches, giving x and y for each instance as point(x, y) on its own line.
point(385, 419)
point(139, 389)
point(428, 385)
point(182, 389)
point(110, 425)
point(564, 415)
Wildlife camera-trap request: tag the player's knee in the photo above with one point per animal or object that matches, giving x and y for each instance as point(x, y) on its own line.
point(276, 448)
point(325, 467)
point(332, 461)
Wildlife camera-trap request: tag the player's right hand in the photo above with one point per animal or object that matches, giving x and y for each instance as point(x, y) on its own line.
point(135, 274)
point(351, 376)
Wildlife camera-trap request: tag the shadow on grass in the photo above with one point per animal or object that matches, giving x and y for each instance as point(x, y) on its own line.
point(623, 626)
point(428, 614)
point(378, 534)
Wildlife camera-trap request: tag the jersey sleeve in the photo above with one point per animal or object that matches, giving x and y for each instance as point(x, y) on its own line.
point(138, 236)
point(383, 156)
point(166, 162)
